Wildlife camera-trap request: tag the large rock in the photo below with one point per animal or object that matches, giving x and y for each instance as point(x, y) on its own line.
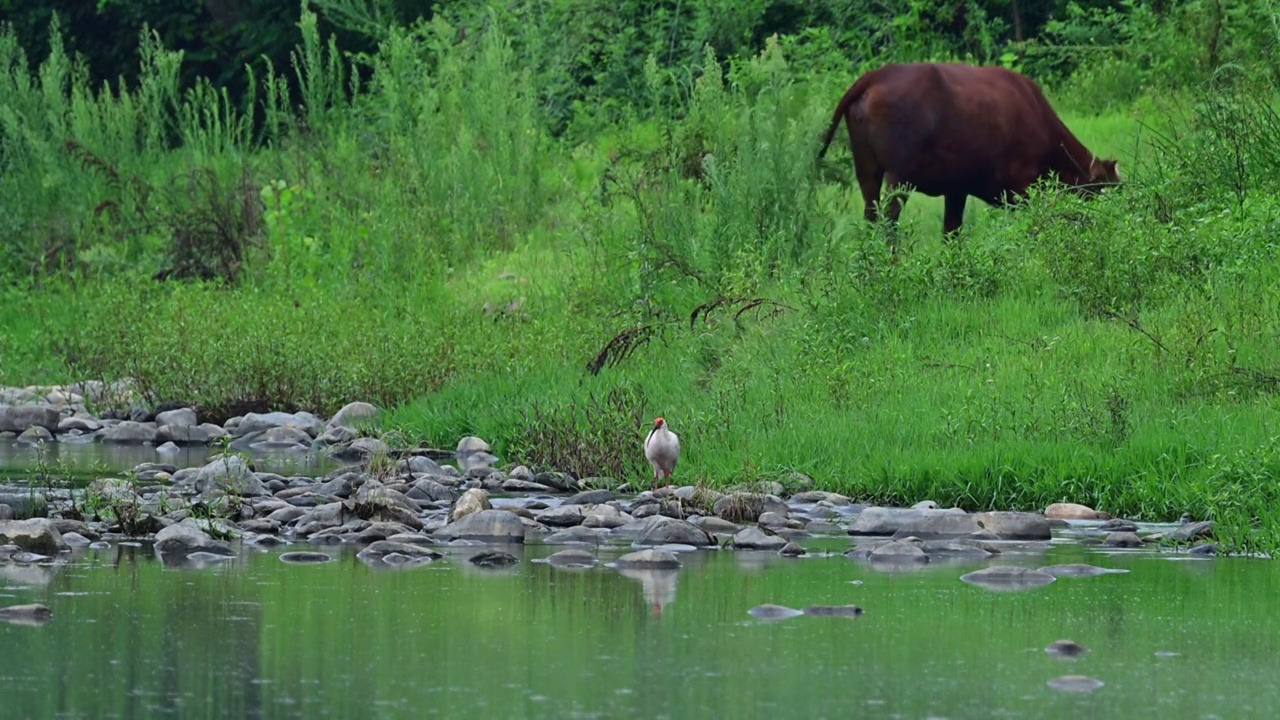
point(472, 501)
point(562, 516)
point(18, 418)
point(374, 501)
point(432, 491)
point(232, 475)
point(663, 530)
point(1014, 525)
point(37, 535)
point(1073, 511)
point(174, 543)
point(889, 521)
point(753, 538)
point(1192, 530)
point(258, 422)
point(652, 559)
point(129, 432)
point(488, 525)
point(391, 552)
point(181, 417)
point(354, 414)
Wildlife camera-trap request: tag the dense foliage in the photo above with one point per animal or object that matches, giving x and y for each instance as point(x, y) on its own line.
point(547, 222)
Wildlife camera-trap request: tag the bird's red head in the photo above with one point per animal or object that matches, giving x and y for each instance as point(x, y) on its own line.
point(658, 422)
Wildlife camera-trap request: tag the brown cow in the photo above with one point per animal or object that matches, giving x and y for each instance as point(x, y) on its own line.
point(955, 131)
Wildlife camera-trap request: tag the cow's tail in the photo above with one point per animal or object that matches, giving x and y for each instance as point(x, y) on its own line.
point(851, 96)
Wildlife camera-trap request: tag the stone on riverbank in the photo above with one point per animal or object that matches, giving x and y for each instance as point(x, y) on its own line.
point(37, 535)
point(1073, 511)
point(178, 541)
point(486, 525)
point(20, 418)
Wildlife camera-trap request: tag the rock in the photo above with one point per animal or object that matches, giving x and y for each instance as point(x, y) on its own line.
point(773, 612)
point(1008, 578)
point(1014, 525)
point(1122, 540)
point(1075, 683)
point(489, 525)
point(561, 516)
point(375, 501)
point(1119, 525)
point(925, 505)
point(791, 549)
point(306, 558)
point(129, 432)
point(747, 507)
point(528, 486)
point(607, 517)
point(572, 558)
point(284, 437)
point(38, 535)
point(832, 611)
point(921, 523)
point(78, 424)
point(354, 414)
point(25, 504)
point(592, 497)
point(1192, 530)
point(493, 559)
point(577, 534)
point(180, 417)
point(898, 551)
point(471, 445)
point(558, 480)
point(651, 559)
point(22, 557)
point(1073, 511)
point(422, 465)
point(168, 448)
point(336, 436)
point(472, 501)
point(6, 513)
point(1066, 648)
point(232, 475)
point(754, 538)
point(187, 434)
point(956, 549)
point(360, 449)
point(258, 422)
point(33, 614)
point(714, 524)
point(20, 418)
point(34, 435)
point(1079, 570)
point(380, 551)
point(663, 530)
point(174, 543)
point(432, 491)
point(520, 472)
point(817, 496)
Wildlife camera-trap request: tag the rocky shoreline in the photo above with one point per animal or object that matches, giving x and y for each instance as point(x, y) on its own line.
point(403, 507)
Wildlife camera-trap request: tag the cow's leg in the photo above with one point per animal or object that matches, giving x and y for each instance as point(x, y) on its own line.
point(952, 214)
point(896, 191)
point(870, 176)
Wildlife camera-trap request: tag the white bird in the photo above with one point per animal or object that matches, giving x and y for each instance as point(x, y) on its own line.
point(662, 448)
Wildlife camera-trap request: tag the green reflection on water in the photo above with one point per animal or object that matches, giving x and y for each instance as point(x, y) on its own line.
point(258, 638)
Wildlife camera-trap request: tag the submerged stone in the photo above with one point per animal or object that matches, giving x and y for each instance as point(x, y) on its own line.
point(833, 610)
point(1066, 648)
point(1079, 570)
point(773, 612)
point(1075, 683)
point(1008, 578)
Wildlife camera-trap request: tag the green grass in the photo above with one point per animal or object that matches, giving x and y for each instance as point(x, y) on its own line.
point(1116, 352)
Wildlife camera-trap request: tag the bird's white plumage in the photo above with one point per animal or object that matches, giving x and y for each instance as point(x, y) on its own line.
point(662, 448)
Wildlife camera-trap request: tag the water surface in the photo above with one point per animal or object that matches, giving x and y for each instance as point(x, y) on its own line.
point(259, 638)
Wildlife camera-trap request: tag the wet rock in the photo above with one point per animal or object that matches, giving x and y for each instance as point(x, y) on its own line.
point(129, 432)
point(354, 414)
point(898, 551)
point(592, 497)
point(230, 474)
point(385, 552)
point(747, 507)
point(32, 614)
point(1066, 648)
point(282, 438)
point(606, 517)
point(306, 558)
point(34, 435)
point(577, 534)
point(174, 543)
point(20, 418)
point(957, 549)
point(816, 496)
point(1075, 683)
point(374, 501)
point(526, 486)
point(431, 491)
point(6, 513)
point(770, 612)
point(1008, 578)
point(489, 525)
point(22, 557)
point(921, 523)
point(773, 520)
point(493, 559)
point(572, 558)
point(335, 436)
point(1205, 549)
point(259, 422)
point(1079, 570)
point(714, 524)
point(168, 448)
point(1119, 525)
point(792, 550)
point(38, 535)
point(832, 611)
point(180, 417)
point(470, 445)
point(663, 530)
point(188, 434)
point(320, 517)
point(1014, 525)
point(754, 538)
point(472, 501)
point(1192, 531)
point(75, 540)
point(78, 424)
point(1122, 540)
point(557, 480)
point(1073, 511)
point(651, 559)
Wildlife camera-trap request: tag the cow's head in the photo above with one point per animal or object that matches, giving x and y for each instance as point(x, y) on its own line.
point(1103, 173)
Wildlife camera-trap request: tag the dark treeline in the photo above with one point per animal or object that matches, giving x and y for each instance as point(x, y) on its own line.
point(583, 51)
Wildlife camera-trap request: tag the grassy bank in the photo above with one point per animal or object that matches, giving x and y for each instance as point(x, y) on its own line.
point(427, 244)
